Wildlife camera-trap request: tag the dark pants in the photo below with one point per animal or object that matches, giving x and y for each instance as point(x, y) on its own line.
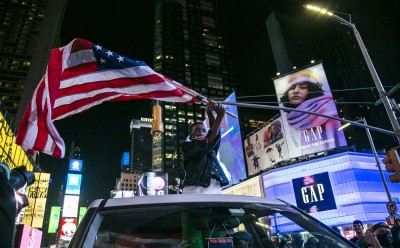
point(8, 213)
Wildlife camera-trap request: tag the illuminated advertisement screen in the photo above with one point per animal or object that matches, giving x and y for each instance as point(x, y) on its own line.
point(70, 207)
point(73, 184)
point(308, 90)
point(314, 193)
point(82, 211)
point(266, 147)
point(54, 219)
point(75, 165)
point(30, 237)
point(153, 183)
point(68, 227)
point(37, 197)
point(231, 143)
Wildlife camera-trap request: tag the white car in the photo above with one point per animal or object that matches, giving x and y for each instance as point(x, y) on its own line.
point(200, 220)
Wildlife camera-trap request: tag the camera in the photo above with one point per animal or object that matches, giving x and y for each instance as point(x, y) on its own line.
point(19, 176)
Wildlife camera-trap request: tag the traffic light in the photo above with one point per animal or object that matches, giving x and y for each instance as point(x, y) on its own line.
point(392, 162)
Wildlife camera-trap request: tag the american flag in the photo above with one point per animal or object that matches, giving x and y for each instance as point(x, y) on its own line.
point(79, 76)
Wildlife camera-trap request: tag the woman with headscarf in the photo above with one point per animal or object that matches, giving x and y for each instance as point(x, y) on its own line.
point(311, 133)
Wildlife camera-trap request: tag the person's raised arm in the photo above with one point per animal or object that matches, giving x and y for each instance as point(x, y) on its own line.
point(215, 122)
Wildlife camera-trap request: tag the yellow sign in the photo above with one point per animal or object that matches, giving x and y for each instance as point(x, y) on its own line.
point(11, 154)
point(37, 196)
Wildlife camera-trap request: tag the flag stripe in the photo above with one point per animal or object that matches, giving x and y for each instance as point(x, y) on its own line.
point(79, 76)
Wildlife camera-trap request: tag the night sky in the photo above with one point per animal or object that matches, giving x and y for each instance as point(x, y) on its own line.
point(126, 27)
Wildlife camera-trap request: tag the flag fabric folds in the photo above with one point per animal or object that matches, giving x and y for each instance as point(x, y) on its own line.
point(79, 76)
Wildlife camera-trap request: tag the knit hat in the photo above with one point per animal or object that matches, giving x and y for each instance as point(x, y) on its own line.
point(380, 224)
point(304, 76)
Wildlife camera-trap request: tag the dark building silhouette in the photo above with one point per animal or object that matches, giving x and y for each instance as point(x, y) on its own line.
point(191, 45)
point(29, 30)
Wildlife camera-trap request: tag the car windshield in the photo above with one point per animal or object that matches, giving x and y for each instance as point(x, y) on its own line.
point(197, 225)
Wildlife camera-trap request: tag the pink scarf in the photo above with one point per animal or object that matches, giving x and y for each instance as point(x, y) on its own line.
point(320, 105)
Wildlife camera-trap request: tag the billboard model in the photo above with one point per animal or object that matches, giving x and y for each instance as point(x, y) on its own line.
point(266, 147)
point(308, 90)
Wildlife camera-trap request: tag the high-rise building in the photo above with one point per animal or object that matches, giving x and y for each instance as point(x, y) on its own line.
point(191, 46)
point(141, 146)
point(29, 29)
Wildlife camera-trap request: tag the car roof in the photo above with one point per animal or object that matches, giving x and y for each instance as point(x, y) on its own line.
point(186, 198)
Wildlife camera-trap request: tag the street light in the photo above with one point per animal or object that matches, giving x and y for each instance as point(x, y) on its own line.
point(371, 142)
point(374, 74)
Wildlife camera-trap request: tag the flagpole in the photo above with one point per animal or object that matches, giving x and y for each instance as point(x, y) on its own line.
point(194, 94)
point(259, 106)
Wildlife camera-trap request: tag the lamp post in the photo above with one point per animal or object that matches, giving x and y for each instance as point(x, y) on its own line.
point(371, 142)
point(374, 74)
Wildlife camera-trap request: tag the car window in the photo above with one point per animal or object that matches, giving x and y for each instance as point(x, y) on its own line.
point(195, 225)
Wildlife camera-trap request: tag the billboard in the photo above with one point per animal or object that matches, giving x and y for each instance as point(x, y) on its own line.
point(37, 196)
point(70, 207)
point(27, 236)
point(153, 183)
point(314, 193)
point(82, 212)
point(266, 147)
point(54, 219)
point(75, 165)
point(67, 227)
point(231, 143)
point(250, 187)
point(73, 184)
point(308, 90)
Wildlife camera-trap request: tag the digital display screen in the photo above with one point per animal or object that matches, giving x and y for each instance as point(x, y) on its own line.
point(314, 193)
point(73, 184)
point(75, 165)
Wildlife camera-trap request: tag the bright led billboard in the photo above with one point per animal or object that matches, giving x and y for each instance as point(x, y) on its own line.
point(231, 144)
point(314, 193)
point(75, 165)
point(82, 212)
point(54, 219)
point(68, 227)
point(266, 147)
point(37, 196)
point(70, 207)
point(73, 184)
point(308, 90)
point(27, 236)
point(357, 189)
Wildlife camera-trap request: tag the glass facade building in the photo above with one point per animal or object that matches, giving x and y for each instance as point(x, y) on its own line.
point(191, 45)
point(20, 23)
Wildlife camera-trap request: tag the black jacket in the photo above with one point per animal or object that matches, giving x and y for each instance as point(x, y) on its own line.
point(200, 162)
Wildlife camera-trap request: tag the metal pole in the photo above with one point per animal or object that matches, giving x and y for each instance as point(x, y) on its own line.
point(382, 93)
point(378, 84)
point(371, 142)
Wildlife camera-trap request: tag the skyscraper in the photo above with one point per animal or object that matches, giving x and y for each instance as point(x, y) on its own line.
point(191, 46)
point(29, 29)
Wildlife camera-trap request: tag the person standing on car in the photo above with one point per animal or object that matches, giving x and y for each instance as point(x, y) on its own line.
point(203, 173)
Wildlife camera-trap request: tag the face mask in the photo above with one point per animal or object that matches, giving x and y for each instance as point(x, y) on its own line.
point(199, 135)
point(385, 239)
